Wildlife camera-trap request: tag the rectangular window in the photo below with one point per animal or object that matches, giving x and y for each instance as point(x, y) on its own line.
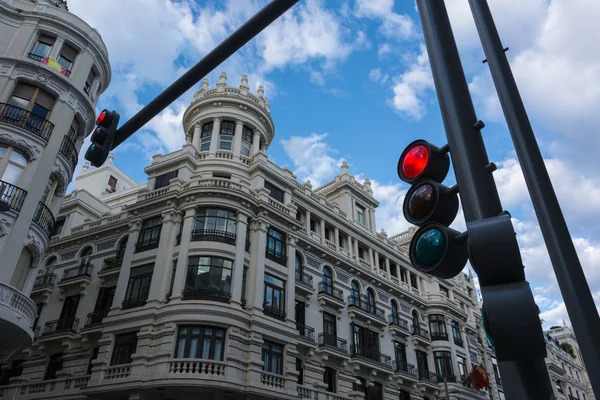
point(501, 395)
point(300, 370)
point(456, 333)
point(69, 311)
point(149, 236)
point(138, 286)
point(58, 226)
point(94, 356)
point(42, 47)
point(125, 346)
point(422, 365)
point(443, 364)
point(437, 325)
point(173, 273)
point(201, 342)
point(226, 135)
point(274, 297)
point(208, 278)
point(462, 368)
point(205, 136)
point(164, 179)
point(112, 182)
point(360, 214)
point(444, 291)
point(103, 303)
point(67, 57)
point(244, 277)
point(89, 81)
point(329, 378)
point(55, 365)
point(276, 246)
point(215, 224)
point(272, 357)
point(329, 329)
point(413, 281)
point(275, 192)
point(247, 135)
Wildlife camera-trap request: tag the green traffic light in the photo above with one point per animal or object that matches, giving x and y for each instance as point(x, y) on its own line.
point(90, 150)
point(430, 247)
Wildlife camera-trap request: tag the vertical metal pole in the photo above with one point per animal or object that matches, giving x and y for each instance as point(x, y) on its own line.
point(525, 379)
point(571, 279)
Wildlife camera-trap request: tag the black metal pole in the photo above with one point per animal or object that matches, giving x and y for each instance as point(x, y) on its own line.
point(571, 279)
point(212, 60)
point(526, 379)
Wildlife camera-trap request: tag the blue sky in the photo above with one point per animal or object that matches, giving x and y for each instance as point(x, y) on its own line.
point(350, 80)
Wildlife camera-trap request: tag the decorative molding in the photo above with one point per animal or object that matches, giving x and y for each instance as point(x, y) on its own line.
point(105, 245)
point(312, 261)
point(30, 149)
point(341, 275)
point(68, 256)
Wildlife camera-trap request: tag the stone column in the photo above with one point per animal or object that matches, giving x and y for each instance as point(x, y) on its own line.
point(372, 221)
point(255, 143)
point(240, 252)
point(134, 231)
point(163, 261)
point(196, 137)
point(180, 271)
point(214, 139)
point(356, 255)
point(256, 272)
point(237, 139)
point(336, 237)
point(387, 266)
point(307, 222)
point(370, 260)
point(399, 272)
point(323, 231)
point(290, 294)
point(376, 259)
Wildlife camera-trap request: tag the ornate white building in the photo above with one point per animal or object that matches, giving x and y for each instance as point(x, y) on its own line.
point(53, 67)
point(223, 277)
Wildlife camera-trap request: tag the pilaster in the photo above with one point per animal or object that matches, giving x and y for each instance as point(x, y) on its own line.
point(255, 143)
point(240, 251)
point(214, 139)
point(196, 137)
point(180, 270)
point(134, 231)
point(237, 138)
point(290, 300)
point(256, 272)
point(160, 276)
point(307, 222)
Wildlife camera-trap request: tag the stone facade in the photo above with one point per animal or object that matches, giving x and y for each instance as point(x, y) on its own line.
point(53, 67)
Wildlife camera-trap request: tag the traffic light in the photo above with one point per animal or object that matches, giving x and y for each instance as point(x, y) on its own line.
point(435, 248)
point(102, 138)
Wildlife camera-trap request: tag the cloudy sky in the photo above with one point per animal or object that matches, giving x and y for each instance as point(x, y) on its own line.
point(350, 80)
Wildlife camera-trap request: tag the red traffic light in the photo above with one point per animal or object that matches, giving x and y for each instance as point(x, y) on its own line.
point(101, 117)
point(421, 159)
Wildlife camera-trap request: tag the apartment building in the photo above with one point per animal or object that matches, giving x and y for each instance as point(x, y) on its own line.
point(223, 277)
point(53, 67)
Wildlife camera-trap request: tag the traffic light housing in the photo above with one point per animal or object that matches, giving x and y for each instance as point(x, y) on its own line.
point(102, 137)
point(435, 248)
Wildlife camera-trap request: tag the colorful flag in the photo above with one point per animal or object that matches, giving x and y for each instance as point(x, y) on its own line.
point(478, 378)
point(55, 65)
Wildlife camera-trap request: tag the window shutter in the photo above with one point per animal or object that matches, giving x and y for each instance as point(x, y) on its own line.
point(45, 99)
point(68, 52)
point(49, 40)
point(24, 91)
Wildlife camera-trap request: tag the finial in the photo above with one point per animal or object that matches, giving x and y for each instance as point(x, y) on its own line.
point(261, 91)
point(367, 182)
point(244, 83)
point(205, 83)
point(308, 184)
point(382, 233)
point(345, 168)
point(111, 157)
point(222, 79)
point(86, 166)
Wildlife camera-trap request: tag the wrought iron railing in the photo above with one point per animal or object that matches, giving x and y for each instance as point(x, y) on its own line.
point(395, 320)
point(364, 304)
point(418, 331)
point(274, 312)
point(331, 291)
point(68, 149)
point(95, 318)
point(365, 352)
point(112, 262)
point(276, 256)
point(439, 336)
point(44, 219)
point(329, 340)
point(459, 342)
point(61, 325)
point(24, 119)
point(44, 280)
point(78, 271)
point(304, 278)
point(36, 57)
point(213, 236)
point(448, 377)
point(403, 366)
point(427, 376)
point(134, 302)
point(12, 195)
point(207, 294)
point(306, 331)
point(147, 244)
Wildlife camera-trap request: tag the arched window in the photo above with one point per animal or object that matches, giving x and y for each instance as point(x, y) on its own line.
point(299, 267)
point(355, 293)
point(370, 301)
point(395, 317)
point(327, 280)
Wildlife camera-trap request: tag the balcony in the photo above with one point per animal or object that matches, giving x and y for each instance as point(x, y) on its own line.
point(447, 378)
point(12, 195)
point(18, 314)
point(221, 296)
point(43, 287)
point(44, 219)
point(360, 308)
point(60, 326)
point(95, 318)
point(278, 257)
point(145, 245)
point(134, 302)
point(306, 333)
point(44, 60)
point(111, 268)
point(331, 297)
point(24, 119)
point(373, 357)
point(212, 235)
point(421, 336)
point(76, 279)
point(398, 327)
point(274, 312)
point(304, 284)
point(68, 149)
point(439, 336)
point(428, 379)
point(332, 346)
point(406, 370)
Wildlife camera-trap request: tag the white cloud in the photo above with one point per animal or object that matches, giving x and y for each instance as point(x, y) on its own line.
point(384, 49)
point(317, 78)
point(410, 87)
point(393, 25)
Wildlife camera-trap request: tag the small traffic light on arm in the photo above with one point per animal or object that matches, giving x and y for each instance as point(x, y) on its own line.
point(102, 137)
point(435, 248)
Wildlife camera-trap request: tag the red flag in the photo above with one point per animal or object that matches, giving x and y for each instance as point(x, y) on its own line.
point(478, 377)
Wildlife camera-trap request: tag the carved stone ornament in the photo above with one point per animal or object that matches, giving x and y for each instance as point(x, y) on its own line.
point(135, 225)
point(32, 151)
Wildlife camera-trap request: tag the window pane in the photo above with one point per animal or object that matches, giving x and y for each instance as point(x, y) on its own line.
point(12, 173)
point(181, 348)
point(17, 102)
point(193, 347)
point(42, 49)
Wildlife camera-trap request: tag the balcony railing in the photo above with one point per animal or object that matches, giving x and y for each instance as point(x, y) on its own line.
point(364, 352)
point(274, 312)
point(439, 336)
point(134, 302)
point(43, 60)
point(112, 262)
point(399, 322)
point(77, 272)
point(331, 291)
point(306, 331)
point(365, 305)
point(427, 376)
point(44, 219)
point(420, 332)
point(304, 278)
point(24, 119)
point(61, 325)
point(213, 236)
point(95, 318)
point(403, 366)
point(448, 377)
point(207, 294)
point(278, 257)
point(459, 342)
point(67, 149)
point(44, 280)
point(149, 244)
point(13, 195)
point(329, 340)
